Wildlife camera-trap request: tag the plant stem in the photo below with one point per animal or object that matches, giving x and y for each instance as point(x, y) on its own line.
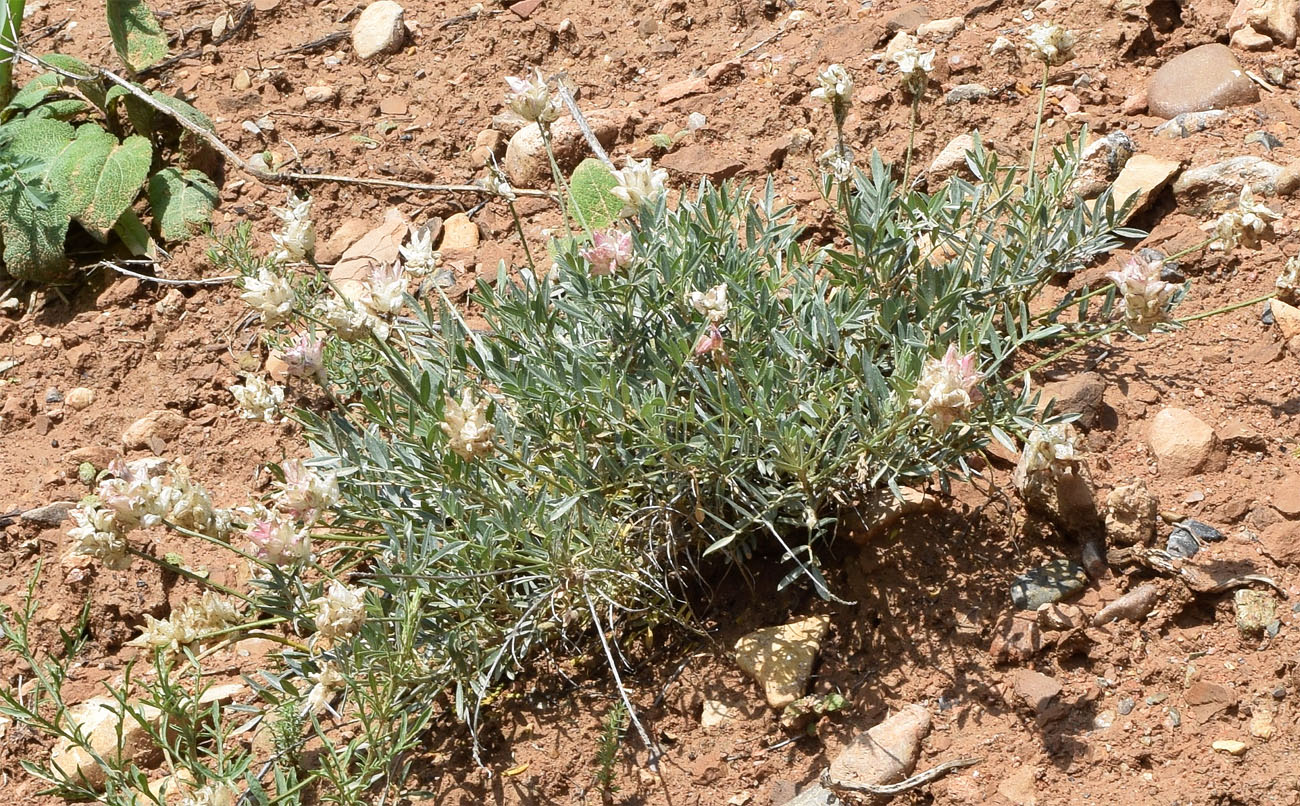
point(1038, 124)
point(1226, 308)
point(911, 138)
point(566, 198)
point(842, 151)
point(1190, 249)
point(11, 25)
point(519, 227)
point(190, 575)
point(1064, 351)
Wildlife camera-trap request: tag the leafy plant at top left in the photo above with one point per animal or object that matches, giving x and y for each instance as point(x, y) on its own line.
point(78, 148)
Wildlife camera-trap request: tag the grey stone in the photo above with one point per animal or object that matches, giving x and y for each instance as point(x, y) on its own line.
point(1216, 187)
point(1126, 706)
point(886, 753)
point(1182, 543)
point(49, 515)
point(1203, 78)
point(1265, 139)
point(815, 795)
point(1048, 583)
point(1189, 123)
point(966, 92)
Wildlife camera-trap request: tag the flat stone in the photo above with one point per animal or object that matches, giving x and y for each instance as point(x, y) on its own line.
point(525, 162)
point(98, 721)
point(682, 89)
point(1255, 611)
point(1189, 123)
point(1079, 394)
point(951, 160)
point(1275, 20)
point(1037, 690)
point(1249, 39)
point(1132, 606)
point(1286, 496)
point(379, 246)
point(525, 8)
point(1142, 177)
point(320, 94)
point(1016, 638)
point(716, 713)
point(1213, 188)
point(1208, 700)
point(887, 752)
point(51, 514)
point(700, 160)
point(1230, 746)
point(1205, 77)
point(940, 30)
point(1131, 515)
point(1048, 583)
point(908, 18)
point(1286, 317)
point(1020, 787)
point(162, 424)
point(1182, 443)
point(459, 232)
point(780, 658)
point(880, 510)
point(379, 30)
point(966, 92)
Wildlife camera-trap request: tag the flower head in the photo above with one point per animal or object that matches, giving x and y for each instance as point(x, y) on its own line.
point(609, 250)
point(418, 256)
point(1050, 43)
point(710, 343)
point(467, 425)
point(1246, 224)
point(835, 87)
point(269, 294)
point(1146, 296)
point(711, 303)
point(279, 540)
point(914, 67)
point(530, 98)
point(349, 322)
point(837, 161)
point(297, 238)
point(324, 683)
point(340, 612)
point(1048, 454)
point(386, 293)
point(98, 535)
point(212, 795)
point(187, 625)
point(947, 389)
point(305, 357)
point(257, 398)
point(639, 184)
point(1288, 282)
point(306, 493)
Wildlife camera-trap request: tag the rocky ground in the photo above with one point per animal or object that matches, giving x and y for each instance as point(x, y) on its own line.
point(977, 629)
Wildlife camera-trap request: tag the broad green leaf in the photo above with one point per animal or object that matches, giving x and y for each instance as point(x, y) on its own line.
point(72, 176)
point(184, 110)
point(138, 38)
point(134, 235)
point(590, 187)
point(34, 97)
point(182, 202)
point(101, 178)
point(33, 235)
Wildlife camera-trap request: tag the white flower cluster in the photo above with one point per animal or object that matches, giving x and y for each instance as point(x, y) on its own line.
point(131, 498)
point(348, 321)
point(915, 68)
point(340, 612)
point(1146, 297)
point(467, 425)
point(1050, 43)
point(306, 493)
point(386, 293)
point(324, 683)
point(530, 98)
point(712, 303)
point(639, 185)
point(297, 238)
point(187, 627)
point(947, 389)
point(271, 295)
point(835, 87)
point(212, 795)
point(258, 398)
point(279, 540)
point(1288, 282)
point(1244, 225)
point(305, 356)
point(418, 256)
point(1048, 454)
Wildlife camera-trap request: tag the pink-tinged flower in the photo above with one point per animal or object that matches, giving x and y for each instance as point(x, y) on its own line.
point(305, 493)
point(710, 343)
point(948, 389)
point(1146, 296)
point(305, 357)
point(279, 540)
point(609, 250)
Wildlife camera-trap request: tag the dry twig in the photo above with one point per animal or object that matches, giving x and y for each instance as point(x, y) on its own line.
point(889, 790)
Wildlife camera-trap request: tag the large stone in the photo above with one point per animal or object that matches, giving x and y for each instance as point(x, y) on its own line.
point(1209, 189)
point(1036, 689)
point(1281, 542)
point(98, 720)
point(380, 29)
point(1205, 77)
point(700, 160)
point(951, 160)
point(1256, 611)
point(459, 232)
point(526, 164)
point(163, 424)
point(1079, 394)
point(1182, 443)
point(781, 658)
point(1131, 515)
point(886, 753)
point(879, 510)
point(1286, 317)
point(1048, 583)
point(1141, 178)
point(1273, 18)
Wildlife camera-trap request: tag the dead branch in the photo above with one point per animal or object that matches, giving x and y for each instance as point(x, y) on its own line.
point(890, 790)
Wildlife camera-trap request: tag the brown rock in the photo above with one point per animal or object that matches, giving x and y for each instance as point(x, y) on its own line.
point(1141, 178)
point(526, 164)
point(1207, 700)
point(1020, 786)
point(1132, 606)
point(1205, 77)
point(1275, 20)
point(887, 752)
point(393, 105)
point(700, 160)
point(1057, 616)
point(525, 8)
point(1135, 104)
point(1281, 542)
point(1037, 690)
point(1288, 180)
point(163, 424)
point(908, 18)
point(1131, 515)
point(724, 72)
point(1249, 39)
point(1286, 496)
point(1182, 443)
point(459, 232)
point(1079, 394)
point(344, 236)
point(682, 89)
point(1016, 638)
point(1287, 318)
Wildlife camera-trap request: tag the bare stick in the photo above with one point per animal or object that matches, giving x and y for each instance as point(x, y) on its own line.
point(587, 133)
point(268, 177)
point(655, 752)
point(120, 269)
point(890, 790)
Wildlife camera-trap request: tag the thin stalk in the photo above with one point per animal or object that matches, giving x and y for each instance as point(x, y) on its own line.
point(1038, 124)
point(1064, 351)
point(911, 137)
point(519, 227)
point(11, 24)
point(566, 198)
point(1190, 249)
point(1226, 308)
point(844, 189)
point(190, 575)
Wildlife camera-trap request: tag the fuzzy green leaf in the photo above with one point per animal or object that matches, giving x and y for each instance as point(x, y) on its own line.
point(182, 202)
point(134, 235)
point(183, 110)
point(590, 186)
point(33, 234)
point(137, 36)
point(97, 178)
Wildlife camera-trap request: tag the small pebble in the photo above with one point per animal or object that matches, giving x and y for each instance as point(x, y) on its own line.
point(53, 395)
point(1279, 693)
point(1175, 718)
point(1266, 318)
point(1126, 706)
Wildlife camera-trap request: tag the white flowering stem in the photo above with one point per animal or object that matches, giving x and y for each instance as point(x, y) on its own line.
point(1226, 308)
point(1038, 122)
point(519, 227)
point(845, 185)
point(911, 138)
